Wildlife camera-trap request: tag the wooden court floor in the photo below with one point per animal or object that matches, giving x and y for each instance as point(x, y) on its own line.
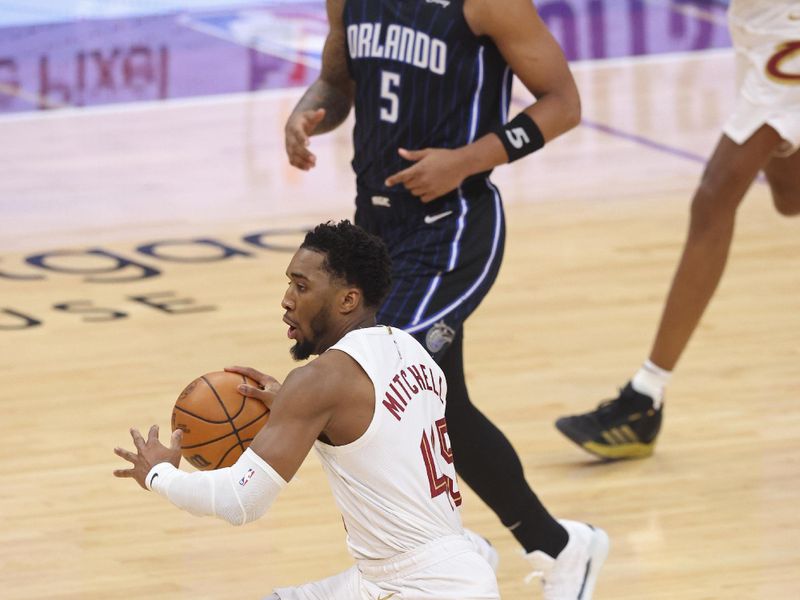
point(141, 246)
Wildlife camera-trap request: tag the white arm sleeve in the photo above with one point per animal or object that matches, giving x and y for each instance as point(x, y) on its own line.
point(238, 494)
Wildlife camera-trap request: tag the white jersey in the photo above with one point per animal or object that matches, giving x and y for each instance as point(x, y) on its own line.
point(766, 36)
point(396, 485)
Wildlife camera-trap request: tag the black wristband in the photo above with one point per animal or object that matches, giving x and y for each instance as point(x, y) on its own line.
point(520, 136)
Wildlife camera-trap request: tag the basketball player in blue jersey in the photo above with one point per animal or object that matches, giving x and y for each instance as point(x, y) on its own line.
point(431, 83)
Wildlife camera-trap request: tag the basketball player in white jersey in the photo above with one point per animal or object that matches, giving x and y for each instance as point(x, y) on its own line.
point(372, 406)
point(762, 134)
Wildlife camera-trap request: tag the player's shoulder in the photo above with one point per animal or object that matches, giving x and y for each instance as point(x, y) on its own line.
point(486, 16)
point(326, 373)
point(317, 386)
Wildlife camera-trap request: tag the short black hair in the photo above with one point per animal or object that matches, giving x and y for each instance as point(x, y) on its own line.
point(354, 256)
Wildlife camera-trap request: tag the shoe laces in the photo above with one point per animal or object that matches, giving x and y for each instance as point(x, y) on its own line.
point(610, 408)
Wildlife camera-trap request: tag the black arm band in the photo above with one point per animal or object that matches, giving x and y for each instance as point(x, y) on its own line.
point(520, 136)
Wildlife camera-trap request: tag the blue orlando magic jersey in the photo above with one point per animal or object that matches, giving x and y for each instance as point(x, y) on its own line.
point(423, 80)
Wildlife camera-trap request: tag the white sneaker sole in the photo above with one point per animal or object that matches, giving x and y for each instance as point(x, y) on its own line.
point(598, 552)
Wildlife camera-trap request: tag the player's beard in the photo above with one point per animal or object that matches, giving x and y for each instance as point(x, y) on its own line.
point(319, 325)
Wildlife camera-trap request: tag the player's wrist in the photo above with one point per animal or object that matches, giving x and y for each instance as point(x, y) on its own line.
point(159, 476)
point(479, 156)
point(520, 136)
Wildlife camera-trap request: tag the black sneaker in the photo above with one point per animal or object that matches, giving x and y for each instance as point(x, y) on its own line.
point(625, 427)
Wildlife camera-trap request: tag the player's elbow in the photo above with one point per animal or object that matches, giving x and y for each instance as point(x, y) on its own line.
point(240, 522)
point(238, 515)
point(572, 111)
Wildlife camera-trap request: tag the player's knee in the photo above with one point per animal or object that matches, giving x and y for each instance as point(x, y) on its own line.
point(783, 175)
point(714, 203)
point(704, 207)
point(786, 199)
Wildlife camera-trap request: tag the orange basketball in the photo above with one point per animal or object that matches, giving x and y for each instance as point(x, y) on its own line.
point(218, 423)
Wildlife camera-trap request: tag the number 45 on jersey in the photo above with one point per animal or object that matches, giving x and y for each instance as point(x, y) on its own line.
point(432, 459)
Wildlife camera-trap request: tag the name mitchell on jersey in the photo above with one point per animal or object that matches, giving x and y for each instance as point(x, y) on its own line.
point(425, 381)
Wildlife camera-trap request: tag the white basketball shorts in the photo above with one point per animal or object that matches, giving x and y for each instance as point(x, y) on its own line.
point(768, 63)
point(446, 569)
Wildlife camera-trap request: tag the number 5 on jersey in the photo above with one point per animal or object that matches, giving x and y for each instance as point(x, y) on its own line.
point(439, 483)
point(390, 83)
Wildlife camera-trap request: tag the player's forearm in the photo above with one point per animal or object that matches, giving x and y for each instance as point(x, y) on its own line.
point(556, 113)
point(552, 115)
point(483, 154)
point(336, 100)
point(237, 494)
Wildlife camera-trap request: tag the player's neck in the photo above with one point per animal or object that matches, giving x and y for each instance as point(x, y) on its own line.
point(360, 321)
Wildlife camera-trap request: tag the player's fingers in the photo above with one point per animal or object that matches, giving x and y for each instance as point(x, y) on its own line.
point(429, 197)
point(126, 454)
point(414, 155)
point(123, 473)
point(405, 176)
point(152, 435)
point(298, 138)
point(175, 439)
point(264, 381)
point(309, 160)
point(138, 440)
point(302, 159)
point(260, 394)
point(269, 383)
point(250, 372)
point(314, 119)
point(299, 164)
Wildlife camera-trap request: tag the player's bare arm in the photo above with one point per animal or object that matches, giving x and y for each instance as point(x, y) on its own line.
point(536, 58)
point(327, 102)
point(304, 408)
point(324, 399)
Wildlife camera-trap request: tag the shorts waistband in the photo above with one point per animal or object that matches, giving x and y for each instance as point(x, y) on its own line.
point(403, 564)
point(470, 185)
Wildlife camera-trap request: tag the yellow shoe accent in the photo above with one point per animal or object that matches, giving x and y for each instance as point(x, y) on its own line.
point(619, 451)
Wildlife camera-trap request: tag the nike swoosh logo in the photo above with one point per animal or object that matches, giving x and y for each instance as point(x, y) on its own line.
point(432, 219)
point(152, 479)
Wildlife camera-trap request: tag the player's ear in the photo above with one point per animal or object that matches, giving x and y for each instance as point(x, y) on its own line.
point(350, 300)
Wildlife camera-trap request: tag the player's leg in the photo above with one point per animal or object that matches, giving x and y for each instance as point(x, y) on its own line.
point(729, 174)
point(449, 568)
point(432, 304)
point(487, 462)
point(438, 281)
point(342, 586)
point(627, 426)
point(569, 554)
point(783, 174)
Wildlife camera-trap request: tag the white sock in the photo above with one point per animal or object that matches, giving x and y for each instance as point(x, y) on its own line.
point(651, 380)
